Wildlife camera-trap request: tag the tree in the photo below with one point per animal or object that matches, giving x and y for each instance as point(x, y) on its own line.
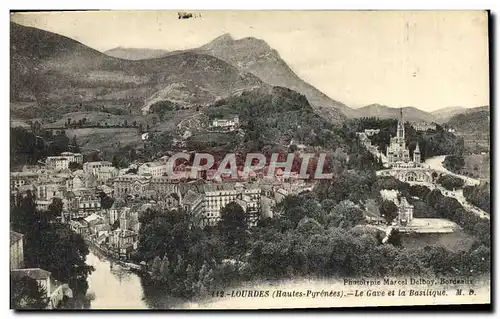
point(309, 226)
point(165, 269)
point(56, 207)
point(454, 162)
point(450, 182)
point(395, 238)
point(25, 293)
point(388, 210)
point(191, 281)
point(75, 166)
point(50, 245)
point(156, 269)
point(232, 227)
point(345, 215)
point(106, 201)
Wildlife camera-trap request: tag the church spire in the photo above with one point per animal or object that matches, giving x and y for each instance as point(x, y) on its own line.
point(401, 126)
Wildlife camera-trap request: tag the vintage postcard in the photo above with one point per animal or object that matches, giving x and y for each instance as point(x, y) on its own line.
point(249, 159)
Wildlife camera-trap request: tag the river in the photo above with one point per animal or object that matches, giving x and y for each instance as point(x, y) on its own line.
point(112, 286)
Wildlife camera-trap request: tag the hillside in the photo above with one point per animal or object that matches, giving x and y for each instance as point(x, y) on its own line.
point(53, 71)
point(385, 112)
point(444, 115)
point(270, 118)
point(474, 127)
point(475, 120)
point(257, 57)
point(135, 53)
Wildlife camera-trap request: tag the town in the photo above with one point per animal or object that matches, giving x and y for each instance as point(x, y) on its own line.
point(103, 203)
point(148, 174)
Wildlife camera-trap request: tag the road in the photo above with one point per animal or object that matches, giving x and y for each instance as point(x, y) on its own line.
point(458, 195)
point(436, 163)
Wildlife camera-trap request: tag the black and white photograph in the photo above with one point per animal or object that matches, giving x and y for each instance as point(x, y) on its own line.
point(273, 159)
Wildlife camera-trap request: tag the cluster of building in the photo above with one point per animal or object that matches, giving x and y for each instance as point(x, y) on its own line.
point(423, 126)
point(227, 123)
point(79, 190)
point(142, 186)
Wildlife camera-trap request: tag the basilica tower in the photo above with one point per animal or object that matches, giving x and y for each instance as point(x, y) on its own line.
point(416, 155)
point(401, 128)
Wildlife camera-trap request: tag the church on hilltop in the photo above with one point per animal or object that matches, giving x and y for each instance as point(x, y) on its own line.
point(398, 155)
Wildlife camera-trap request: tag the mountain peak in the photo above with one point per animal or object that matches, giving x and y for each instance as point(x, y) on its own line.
point(225, 38)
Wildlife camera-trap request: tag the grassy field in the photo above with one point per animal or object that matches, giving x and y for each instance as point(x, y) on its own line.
point(98, 117)
point(105, 139)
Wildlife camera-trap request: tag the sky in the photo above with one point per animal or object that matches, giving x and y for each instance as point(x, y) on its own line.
point(426, 59)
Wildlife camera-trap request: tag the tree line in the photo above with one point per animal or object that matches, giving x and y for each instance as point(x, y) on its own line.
point(28, 147)
point(49, 245)
point(322, 233)
point(479, 195)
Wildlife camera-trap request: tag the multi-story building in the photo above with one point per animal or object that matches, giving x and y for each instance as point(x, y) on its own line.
point(47, 191)
point(78, 227)
point(129, 219)
point(159, 187)
point(73, 157)
point(106, 174)
point(95, 167)
point(217, 196)
point(251, 207)
point(229, 123)
point(194, 204)
point(86, 205)
point(16, 250)
point(423, 126)
point(153, 169)
point(18, 179)
point(122, 241)
point(62, 161)
point(57, 162)
point(371, 132)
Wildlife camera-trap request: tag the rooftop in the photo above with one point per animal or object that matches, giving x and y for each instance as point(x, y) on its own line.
point(15, 237)
point(35, 273)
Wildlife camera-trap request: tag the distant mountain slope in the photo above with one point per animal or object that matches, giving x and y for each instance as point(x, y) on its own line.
point(385, 112)
point(257, 57)
point(53, 70)
point(476, 120)
point(135, 53)
point(444, 114)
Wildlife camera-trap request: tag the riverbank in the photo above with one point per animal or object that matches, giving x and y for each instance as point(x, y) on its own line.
point(115, 257)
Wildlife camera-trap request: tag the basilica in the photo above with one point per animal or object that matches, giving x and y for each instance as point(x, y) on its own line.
point(398, 155)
